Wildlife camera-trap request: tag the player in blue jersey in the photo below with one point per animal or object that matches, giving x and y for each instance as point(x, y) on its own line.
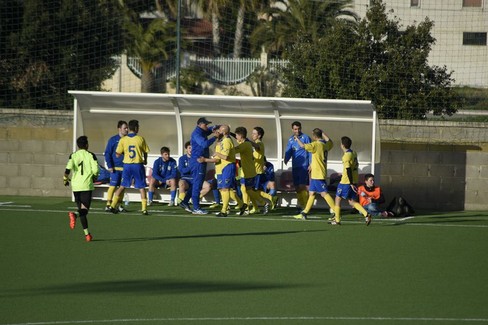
point(269, 185)
point(185, 179)
point(115, 164)
point(164, 174)
point(200, 144)
point(84, 166)
point(300, 162)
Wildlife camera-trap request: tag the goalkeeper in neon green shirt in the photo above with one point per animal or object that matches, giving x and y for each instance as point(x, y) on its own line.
point(84, 166)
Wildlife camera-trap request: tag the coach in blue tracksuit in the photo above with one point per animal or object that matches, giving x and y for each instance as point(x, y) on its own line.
point(200, 144)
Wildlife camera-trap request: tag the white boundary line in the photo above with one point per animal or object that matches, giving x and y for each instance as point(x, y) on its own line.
point(264, 318)
point(289, 218)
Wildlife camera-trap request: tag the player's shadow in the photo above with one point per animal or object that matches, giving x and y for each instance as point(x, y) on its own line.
point(241, 234)
point(149, 287)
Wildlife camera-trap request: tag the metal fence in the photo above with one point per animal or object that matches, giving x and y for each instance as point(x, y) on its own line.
point(226, 71)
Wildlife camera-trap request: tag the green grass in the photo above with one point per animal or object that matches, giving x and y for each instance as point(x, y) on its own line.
point(172, 267)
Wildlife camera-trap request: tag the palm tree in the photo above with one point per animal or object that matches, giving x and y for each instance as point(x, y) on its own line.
point(244, 5)
point(151, 42)
point(211, 8)
point(289, 20)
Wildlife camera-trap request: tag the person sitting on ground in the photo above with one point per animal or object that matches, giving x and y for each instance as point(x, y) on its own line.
point(371, 196)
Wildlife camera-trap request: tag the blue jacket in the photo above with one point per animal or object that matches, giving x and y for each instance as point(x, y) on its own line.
point(269, 172)
point(184, 168)
point(164, 170)
point(200, 143)
point(109, 154)
point(300, 157)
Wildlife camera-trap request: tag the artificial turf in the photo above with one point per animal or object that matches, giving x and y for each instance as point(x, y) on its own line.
point(172, 266)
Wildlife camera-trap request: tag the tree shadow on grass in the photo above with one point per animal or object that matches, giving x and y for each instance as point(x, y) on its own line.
point(217, 235)
point(149, 287)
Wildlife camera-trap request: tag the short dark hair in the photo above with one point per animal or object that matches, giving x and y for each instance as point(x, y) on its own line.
point(296, 123)
point(120, 123)
point(368, 176)
point(82, 142)
point(346, 142)
point(317, 132)
point(187, 144)
point(260, 131)
point(242, 131)
point(164, 149)
point(133, 125)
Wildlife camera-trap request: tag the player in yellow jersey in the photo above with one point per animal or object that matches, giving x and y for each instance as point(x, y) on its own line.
point(347, 187)
point(259, 160)
point(245, 149)
point(135, 150)
point(319, 148)
point(224, 158)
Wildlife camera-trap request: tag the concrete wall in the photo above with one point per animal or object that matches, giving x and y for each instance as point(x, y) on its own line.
point(434, 165)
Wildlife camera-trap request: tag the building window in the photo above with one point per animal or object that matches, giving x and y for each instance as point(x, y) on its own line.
point(474, 38)
point(414, 3)
point(472, 3)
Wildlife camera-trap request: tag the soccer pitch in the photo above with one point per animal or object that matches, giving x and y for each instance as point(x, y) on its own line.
point(173, 267)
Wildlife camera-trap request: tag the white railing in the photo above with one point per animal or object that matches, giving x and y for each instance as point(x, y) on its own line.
point(220, 70)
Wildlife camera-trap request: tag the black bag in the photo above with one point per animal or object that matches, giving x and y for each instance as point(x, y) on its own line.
point(400, 208)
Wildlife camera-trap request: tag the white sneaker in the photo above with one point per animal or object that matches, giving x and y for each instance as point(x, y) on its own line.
point(200, 211)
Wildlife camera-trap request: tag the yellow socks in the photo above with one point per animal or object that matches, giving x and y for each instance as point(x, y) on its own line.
point(115, 201)
point(310, 201)
point(110, 194)
point(236, 198)
point(225, 195)
point(337, 211)
point(360, 208)
point(329, 200)
point(302, 197)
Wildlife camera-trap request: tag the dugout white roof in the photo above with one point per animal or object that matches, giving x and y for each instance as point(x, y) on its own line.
point(169, 119)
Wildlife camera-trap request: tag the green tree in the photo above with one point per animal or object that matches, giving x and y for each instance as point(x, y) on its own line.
point(151, 41)
point(212, 9)
point(290, 21)
point(10, 24)
point(379, 61)
point(61, 45)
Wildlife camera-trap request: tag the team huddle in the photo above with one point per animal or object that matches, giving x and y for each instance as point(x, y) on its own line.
point(248, 181)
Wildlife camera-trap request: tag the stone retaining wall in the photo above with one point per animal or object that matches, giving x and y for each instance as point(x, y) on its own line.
point(434, 165)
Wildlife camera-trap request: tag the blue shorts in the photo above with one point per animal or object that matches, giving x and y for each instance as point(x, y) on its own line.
point(247, 182)
point(300, 176)
point(136, 173)
point(115, 178)
point(318, 185)
point(345, 191)
point(227, 178)
point(260, 182)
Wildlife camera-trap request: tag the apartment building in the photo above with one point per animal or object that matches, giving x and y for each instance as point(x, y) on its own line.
point(460, 28)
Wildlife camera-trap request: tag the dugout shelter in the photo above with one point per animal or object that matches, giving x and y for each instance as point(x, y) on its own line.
point(169, 119)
